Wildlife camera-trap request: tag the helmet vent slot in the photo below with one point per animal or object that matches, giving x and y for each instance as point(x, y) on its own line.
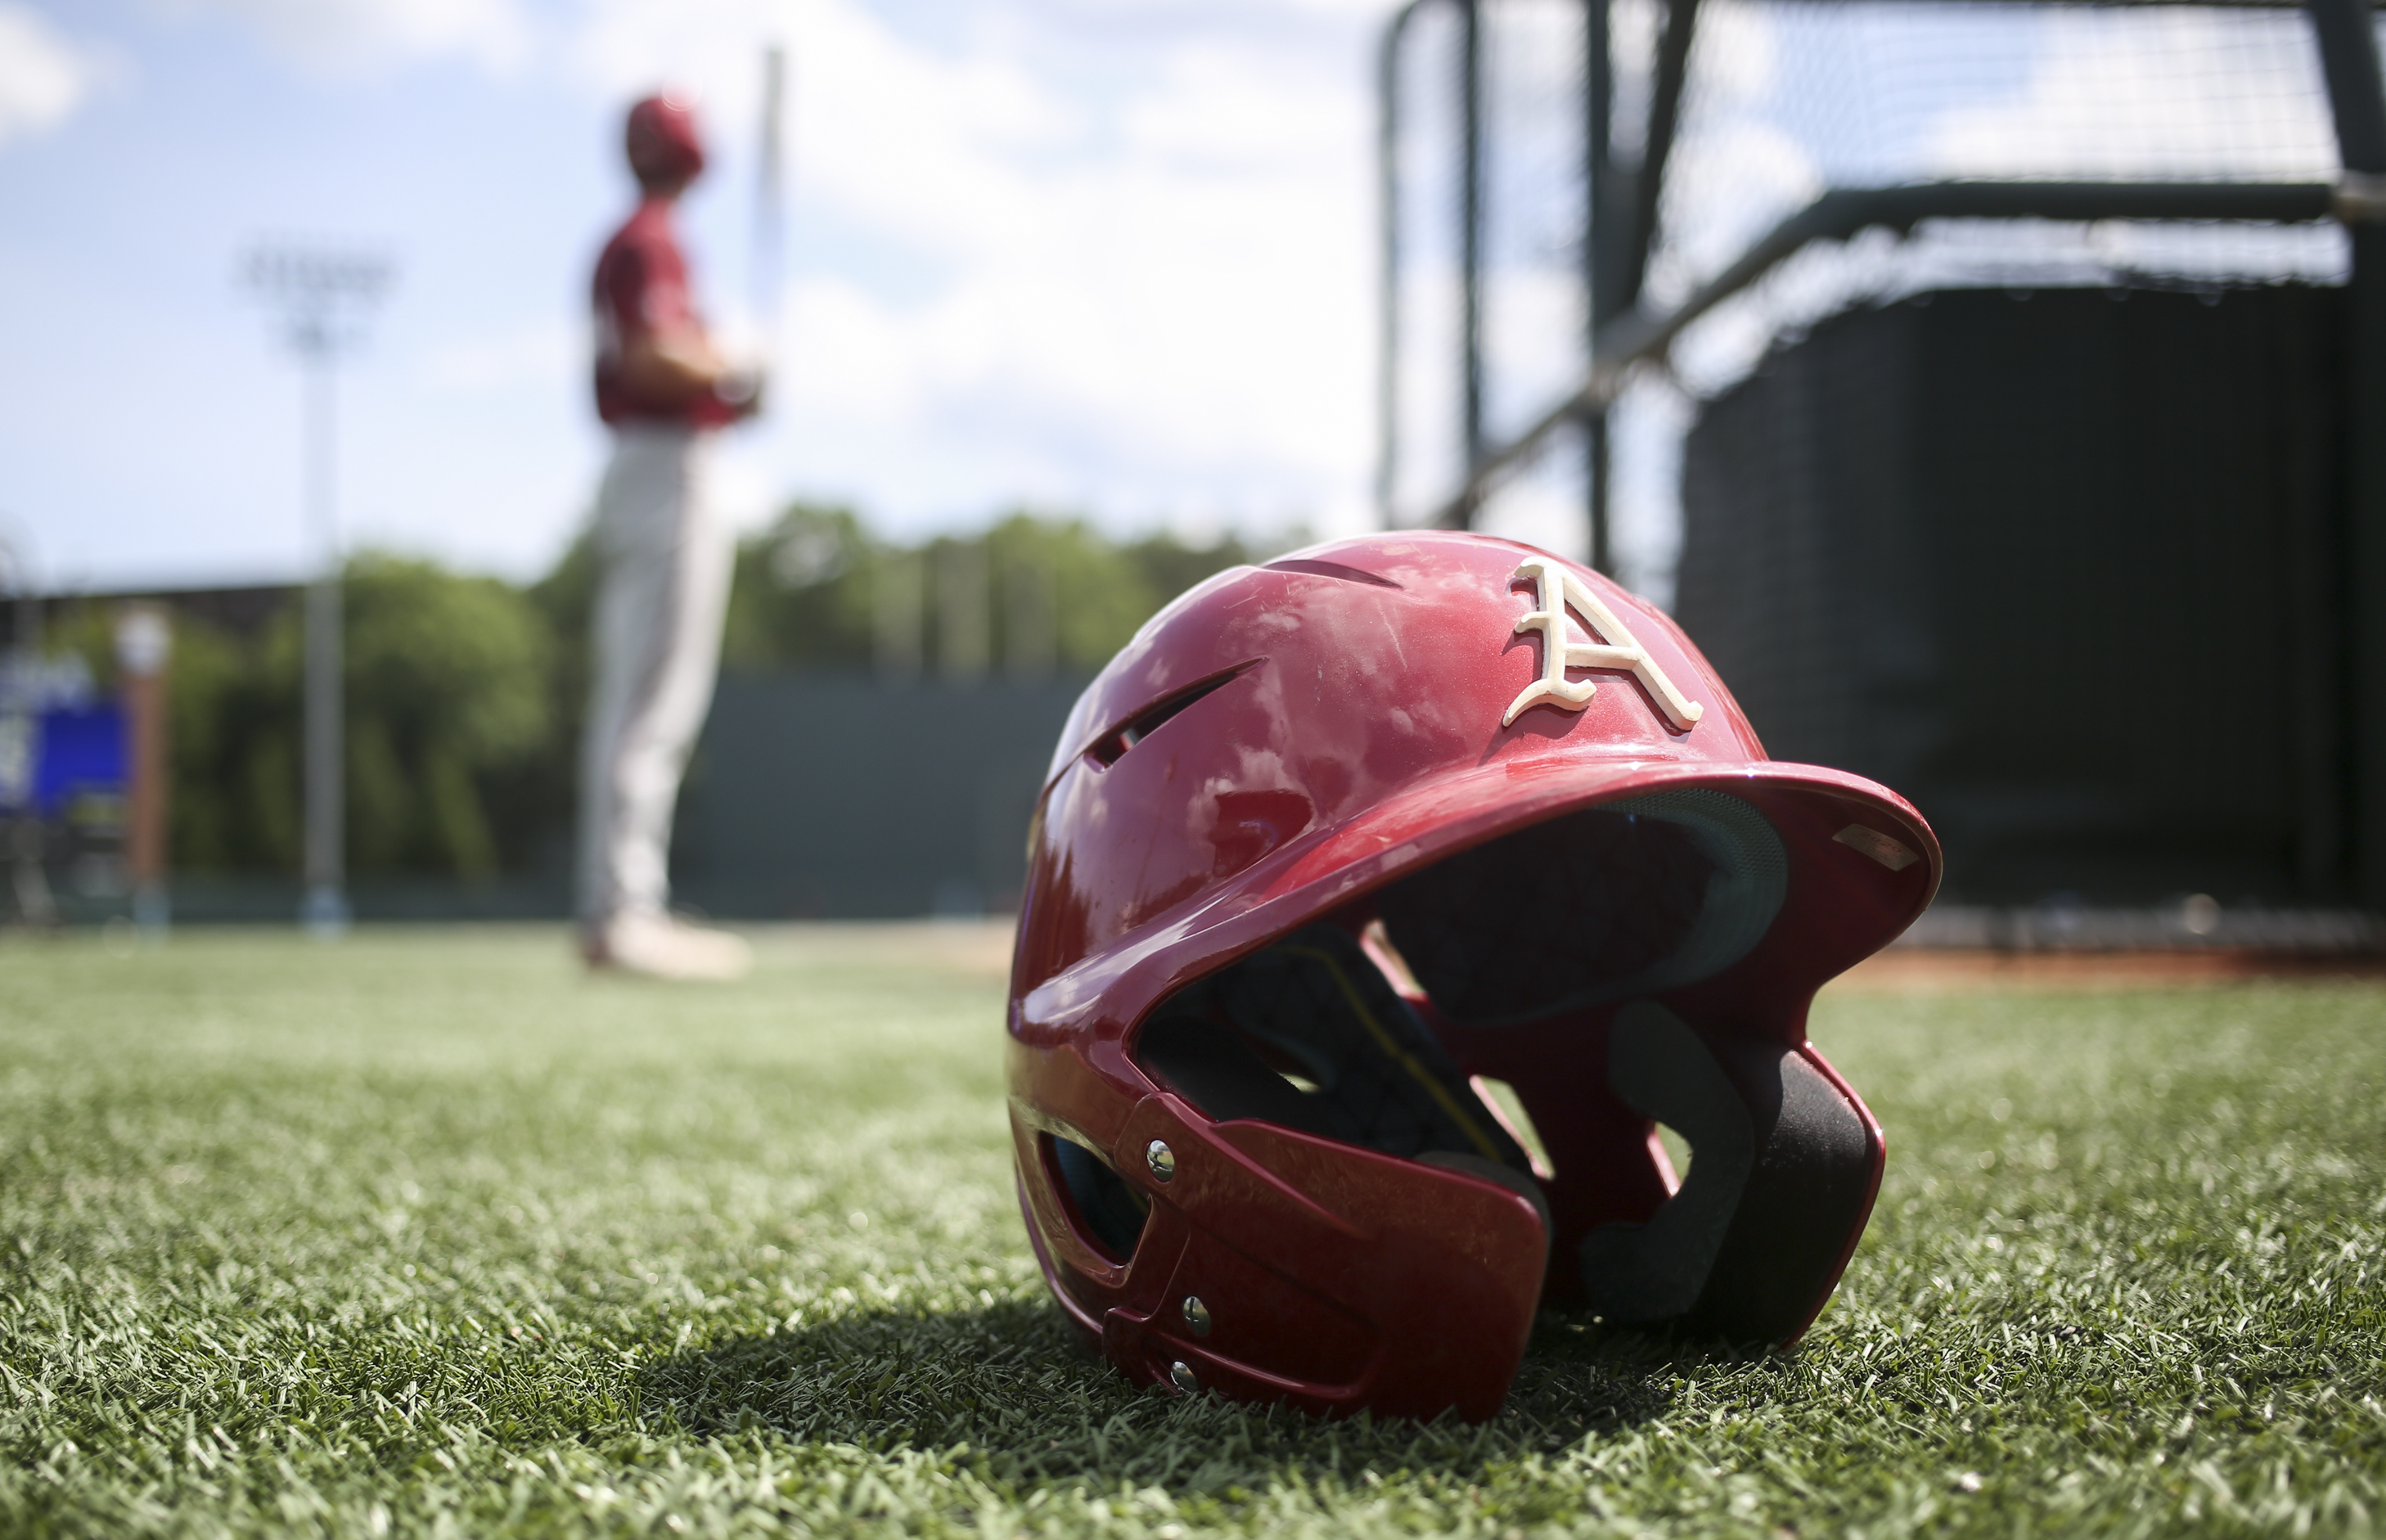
point(1112, 745)
point(1109, 1214)
point(1330, 569)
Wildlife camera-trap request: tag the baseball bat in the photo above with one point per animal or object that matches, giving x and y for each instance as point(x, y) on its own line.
point(769, 214)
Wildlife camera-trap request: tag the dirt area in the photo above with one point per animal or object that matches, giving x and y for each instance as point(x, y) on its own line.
point(981, 948)
point(1918, 967)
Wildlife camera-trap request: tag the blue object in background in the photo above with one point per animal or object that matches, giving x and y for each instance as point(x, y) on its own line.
point(81, 749)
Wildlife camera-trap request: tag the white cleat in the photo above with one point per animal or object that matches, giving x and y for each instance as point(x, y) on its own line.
point(658, 947)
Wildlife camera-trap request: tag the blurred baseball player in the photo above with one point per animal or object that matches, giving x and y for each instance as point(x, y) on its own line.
point(664, 563)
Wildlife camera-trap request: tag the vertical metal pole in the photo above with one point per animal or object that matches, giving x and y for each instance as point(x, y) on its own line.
point(2348, 57)
point(1594, 455)
point(2348, 49)
point(1665, 115)
point(311, 286)
point(1388, 194)
point(899, 616)
point(325, 907)
point(1599, 99)
point(1470, 214)
point(769, 215)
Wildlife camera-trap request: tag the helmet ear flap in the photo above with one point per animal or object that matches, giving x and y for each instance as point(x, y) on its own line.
point(1786, 1164)
point(1647, 1274)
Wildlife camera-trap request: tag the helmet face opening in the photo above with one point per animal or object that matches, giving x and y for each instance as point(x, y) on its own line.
point(1308, 1034)
point(1288, 912)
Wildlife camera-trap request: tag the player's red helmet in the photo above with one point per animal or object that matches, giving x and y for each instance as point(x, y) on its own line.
point(1337, 840)
point(662, 142)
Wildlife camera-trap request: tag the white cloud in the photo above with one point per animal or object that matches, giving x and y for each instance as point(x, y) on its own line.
point(2153, 91)
point(343, 35)
point(1734, 182)
point(544, 354)
point(1542, 505)
point(43, 75)
point(1107, 255)
point(1738, 52)
point(922, 148)
point(1738, 167)
point(1139, 288)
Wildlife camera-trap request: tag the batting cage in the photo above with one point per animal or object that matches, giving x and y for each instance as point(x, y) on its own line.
point(1993, 389)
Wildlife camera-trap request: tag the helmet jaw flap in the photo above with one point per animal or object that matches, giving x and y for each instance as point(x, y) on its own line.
point(1245, 828)
point(1277, 1266)
point(1750, 1244)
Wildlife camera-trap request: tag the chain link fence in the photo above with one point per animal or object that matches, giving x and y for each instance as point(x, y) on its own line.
point(1494, 113)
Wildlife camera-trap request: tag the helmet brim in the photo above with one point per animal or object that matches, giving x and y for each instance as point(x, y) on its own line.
point(1864, 864)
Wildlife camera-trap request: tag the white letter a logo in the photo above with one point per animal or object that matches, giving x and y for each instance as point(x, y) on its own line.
point(1555, 590)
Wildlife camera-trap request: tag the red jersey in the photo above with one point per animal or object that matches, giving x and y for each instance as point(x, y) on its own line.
point(642, 288)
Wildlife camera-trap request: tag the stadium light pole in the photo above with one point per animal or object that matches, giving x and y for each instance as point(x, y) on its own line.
point(320, 294)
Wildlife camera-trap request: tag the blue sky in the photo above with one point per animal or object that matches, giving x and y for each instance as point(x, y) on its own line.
point(1107, 255)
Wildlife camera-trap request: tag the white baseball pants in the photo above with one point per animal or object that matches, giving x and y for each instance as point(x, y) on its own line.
point(663, 560)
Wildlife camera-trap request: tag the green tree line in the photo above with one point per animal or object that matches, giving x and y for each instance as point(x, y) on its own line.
point(465, 693)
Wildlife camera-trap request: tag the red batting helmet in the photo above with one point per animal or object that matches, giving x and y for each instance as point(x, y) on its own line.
point(1338, 841)
point(663, 145)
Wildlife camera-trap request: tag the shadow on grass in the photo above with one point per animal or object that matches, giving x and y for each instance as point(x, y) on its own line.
point(1012, 1382)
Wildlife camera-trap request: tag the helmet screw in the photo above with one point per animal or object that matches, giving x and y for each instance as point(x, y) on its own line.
point(1180, 1374)
point(1197, 1315)
point(1162, 1160)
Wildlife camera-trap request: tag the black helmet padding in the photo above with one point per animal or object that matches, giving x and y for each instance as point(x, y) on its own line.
point(1315, 1005)
point(1626, 898)
point(1780, 1179)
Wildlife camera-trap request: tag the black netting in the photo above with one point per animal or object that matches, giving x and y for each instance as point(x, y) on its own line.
point(1551, 914)
point(1782, 100)
point(1906, 525)
point(1315, 1007)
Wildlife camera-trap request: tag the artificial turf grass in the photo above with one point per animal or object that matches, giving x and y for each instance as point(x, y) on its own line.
point(421, 1232)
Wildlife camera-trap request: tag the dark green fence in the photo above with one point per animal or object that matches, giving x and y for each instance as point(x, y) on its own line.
point(2064, 566)
point(849, 799)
